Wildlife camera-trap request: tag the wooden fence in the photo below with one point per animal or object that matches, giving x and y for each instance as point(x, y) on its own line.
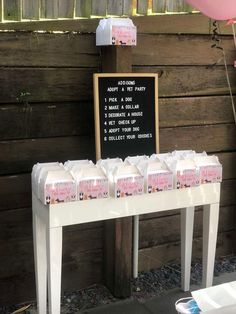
point(46, 114)
point(18, 10)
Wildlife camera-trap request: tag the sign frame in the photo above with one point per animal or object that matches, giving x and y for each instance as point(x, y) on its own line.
point(96, 77)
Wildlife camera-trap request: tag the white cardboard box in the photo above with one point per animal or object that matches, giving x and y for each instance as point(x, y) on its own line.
point(117, 32)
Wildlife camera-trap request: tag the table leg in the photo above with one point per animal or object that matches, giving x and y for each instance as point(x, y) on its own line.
point(187, 219)
point(135, 246)
point(210, 228)
point(54, 261)
point(40, 260)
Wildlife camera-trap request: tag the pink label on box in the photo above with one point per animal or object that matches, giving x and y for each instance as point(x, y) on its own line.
point(186, 179)
point(159, 182)
point(92, 189)
point(123, 35)
point(129, 186)
point(210, 174)
point(60, 192)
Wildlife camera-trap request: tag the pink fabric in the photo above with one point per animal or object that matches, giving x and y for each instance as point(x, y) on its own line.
point(216, 9)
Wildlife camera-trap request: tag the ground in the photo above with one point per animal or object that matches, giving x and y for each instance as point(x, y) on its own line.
point(148, 285)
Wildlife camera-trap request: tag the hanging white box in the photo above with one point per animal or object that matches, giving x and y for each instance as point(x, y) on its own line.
point(117, 32)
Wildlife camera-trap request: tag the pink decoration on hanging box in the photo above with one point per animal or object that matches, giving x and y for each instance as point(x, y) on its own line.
point(216, 9)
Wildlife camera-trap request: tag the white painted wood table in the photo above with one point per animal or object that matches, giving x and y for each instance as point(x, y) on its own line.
point(48, 221)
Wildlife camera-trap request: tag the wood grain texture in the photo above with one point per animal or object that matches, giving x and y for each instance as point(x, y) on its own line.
point(48, 50)
point(18, 156)
point(86, 272)
point(158, 256)
point(30, 9)
point(177, 6)
point(163, 24)
point(114, 7)
point(158, 6)
point(53, 84)
point(66, 9)
point(43, 84)
point(33, 120)
point(142, 6)
point(166, 229)
point(181, 50)
point(83, 8)
point(12, 10)
point(60, 50)
point(46, 120)
point(128, 7)
point(99, 8)
point(49, 9)
point(175, 81)
point(190, 111)
point(210, 138)
point(25, 153)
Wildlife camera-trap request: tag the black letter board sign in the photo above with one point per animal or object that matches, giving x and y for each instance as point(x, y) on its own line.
point(126, 114)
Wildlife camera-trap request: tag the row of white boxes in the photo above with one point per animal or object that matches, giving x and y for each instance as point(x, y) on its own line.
point(83, 180)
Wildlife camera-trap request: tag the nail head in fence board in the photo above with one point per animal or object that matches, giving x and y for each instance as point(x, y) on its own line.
point(142, 6)
point(49, 9)
point(127, 7)
point(115, 7)
point(12, 10)
point(66, 9)
point(30, 9)
point(99, 7)
point(158, 6)
point(83, 8)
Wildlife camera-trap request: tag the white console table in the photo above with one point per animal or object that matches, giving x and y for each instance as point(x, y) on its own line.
point(48, 221)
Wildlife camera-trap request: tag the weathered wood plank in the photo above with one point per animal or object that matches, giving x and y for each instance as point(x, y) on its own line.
point(154, 257)
point(158, 6)
point(99, 8)
point(114, 7)
point(50, 50)
point(66, 9)
point(18, 156)
point(229, 166)
point(83, 8)
point(178, 50)
point(15, 191)
point(84, 271)
point(128, 7)
point(44, 84)
point(177, 6)
point(75, 84)
point(161, 230)
point(35, 120)
point(79, 50)
point(75, 245)
point(142, 6)
point(49, 9)
point(45, 120)
point(212, 138)
point(30, 9)
point(175, 81)
point(44, 150)
point(164, 24)
point(17, 224)
point(12, 10)
point(189, 111)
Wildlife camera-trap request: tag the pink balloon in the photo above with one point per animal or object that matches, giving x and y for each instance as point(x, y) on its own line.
point(216, 9)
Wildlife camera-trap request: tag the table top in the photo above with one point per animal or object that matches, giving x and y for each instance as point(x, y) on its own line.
point(64, 214)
